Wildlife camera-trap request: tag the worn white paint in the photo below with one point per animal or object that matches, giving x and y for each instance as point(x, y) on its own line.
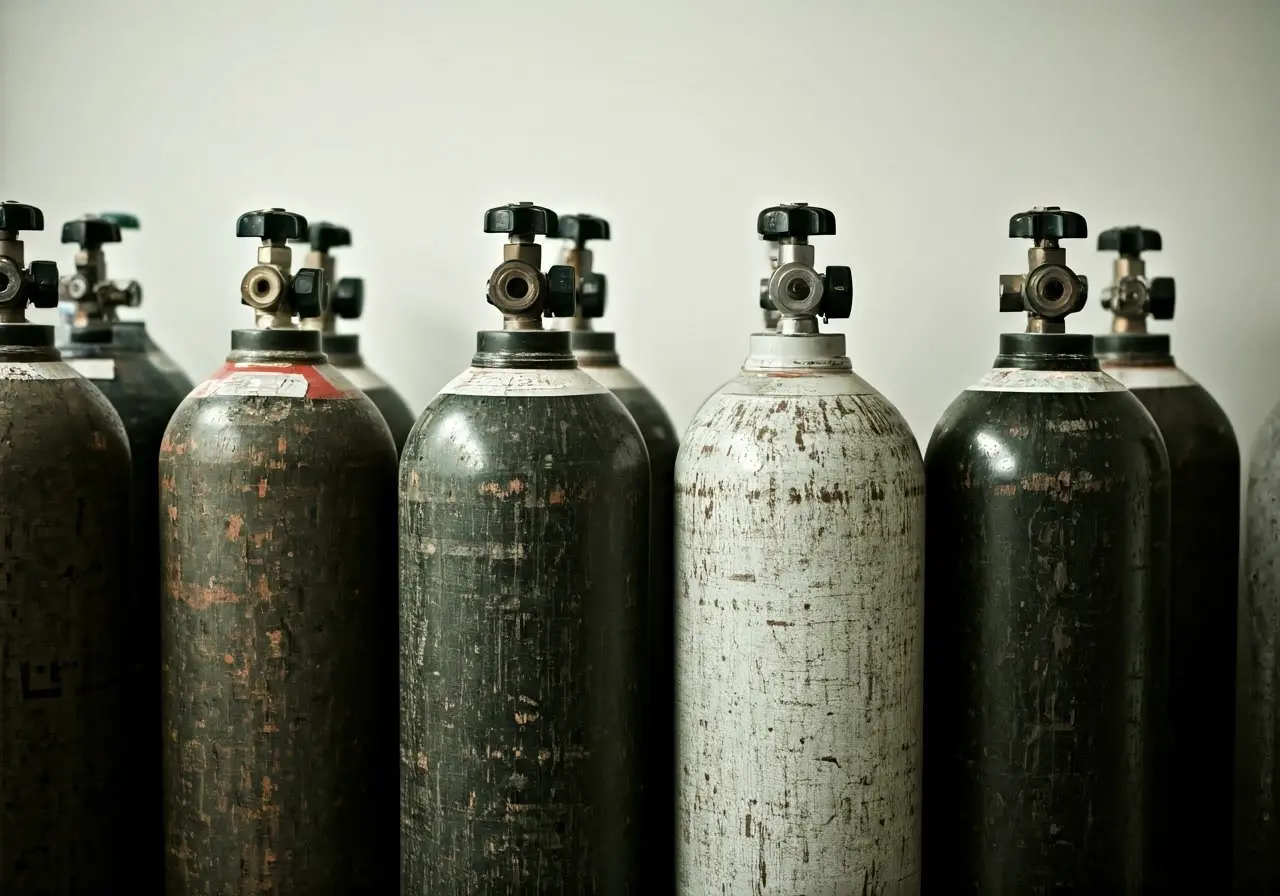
point(1147, 376)
point(799, 555)
point(37, 370)
point(1015, 379)
point(281, 385)
point(363, 378)
point(613, 377)
point(94, 368)
point(538, 382)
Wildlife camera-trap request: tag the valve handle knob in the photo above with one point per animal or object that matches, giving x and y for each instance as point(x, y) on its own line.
point(1129, 240)
point(123, 220)
point(324, 236)
point(347, 300)
point(91, 232)
point(20, 216)
point(795, 220)
point(306, 292)
point(273, 224)
point(1050, 223)
point(522, 217)
point(580, 228)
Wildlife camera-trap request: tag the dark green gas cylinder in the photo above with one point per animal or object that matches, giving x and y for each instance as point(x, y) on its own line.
point(73, 762)
point(597, 355)
point(1047, 500)
point(524, 534)
point(145, 388)
point(346, 300)
point(278, 548)
point(1204, 463)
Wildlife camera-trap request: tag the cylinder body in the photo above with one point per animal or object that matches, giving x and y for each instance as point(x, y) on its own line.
point(343, 351)
point(73, 754)
point(598, 357)
point(277, 513)
point(1204, 463)
point(524, 503)
point(145, 389)
point(1046, 615)
point(799, 537)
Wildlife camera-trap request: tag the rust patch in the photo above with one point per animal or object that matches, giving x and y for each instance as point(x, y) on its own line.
point(202, 598)
point(514, 487)
point(234, 523)
point(282, 445)
point(1007, 490)
point(97, 440)
point(173, 512)
point(262, 487)
point(556, 496)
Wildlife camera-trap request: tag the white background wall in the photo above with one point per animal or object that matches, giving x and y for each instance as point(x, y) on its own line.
point(924, 126)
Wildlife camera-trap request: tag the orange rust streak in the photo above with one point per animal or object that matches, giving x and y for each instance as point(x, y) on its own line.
point(202, 598)
point(234, 523)
point(282, 445)
point(262, 488)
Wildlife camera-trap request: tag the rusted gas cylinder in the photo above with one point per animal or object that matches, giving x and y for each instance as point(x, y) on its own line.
point(278, 538)
point(799, 602)
point(1204, 463)
point(145, 388)
point(70, 762)
point(1046, 623)
point(524, 533)
point(346, 300)
point(597, 355)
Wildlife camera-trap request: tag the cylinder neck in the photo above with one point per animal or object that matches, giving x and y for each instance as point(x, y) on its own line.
point(27, 342)
point(814, 351)
point(1134, 348)
point(524, 349)
point(1047, 351)
point(292, 341)
point(594, 349)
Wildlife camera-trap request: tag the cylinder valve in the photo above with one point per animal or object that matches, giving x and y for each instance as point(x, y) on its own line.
point(1131, 296)
point(269, 288)
point(592, 286)
point(1050, 290)
point(345, 296)
point(795, 290)
point(96, 298)
point(23, 284)
point(518, 287)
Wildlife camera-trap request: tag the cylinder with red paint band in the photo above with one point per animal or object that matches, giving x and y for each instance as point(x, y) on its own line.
point(278, 514)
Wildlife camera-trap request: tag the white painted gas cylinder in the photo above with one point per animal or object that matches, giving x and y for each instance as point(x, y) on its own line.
point(800, 595)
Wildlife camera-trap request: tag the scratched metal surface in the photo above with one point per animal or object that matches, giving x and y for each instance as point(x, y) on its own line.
point(279, 559)
point(1204, 462)
point(70, 757)
point(145, 397)
point(524, 504)
point(1258, 799)
point(1046, 626)
point(799, 576)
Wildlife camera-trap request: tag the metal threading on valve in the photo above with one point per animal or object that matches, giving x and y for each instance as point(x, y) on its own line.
point(1049, 290)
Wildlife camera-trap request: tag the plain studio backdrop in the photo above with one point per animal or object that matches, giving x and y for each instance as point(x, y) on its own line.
point(923, 126)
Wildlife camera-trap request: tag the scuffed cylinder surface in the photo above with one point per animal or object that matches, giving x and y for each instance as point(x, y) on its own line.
point(524, 502)
point(1258, 797)
point(278, 546)
point(799, 532)
point(658, 681)
point(1204, 463)
point(145, 396)
point(68, 736)
point(388, 402)
point(1048, 503)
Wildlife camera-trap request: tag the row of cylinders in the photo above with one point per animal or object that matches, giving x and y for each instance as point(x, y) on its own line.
point(586, 617)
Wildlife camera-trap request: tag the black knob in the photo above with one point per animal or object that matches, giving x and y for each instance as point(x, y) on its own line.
point(271, 224)
point(90, 232)
point(325, 236)
point(19, 216)
point(44, 284)
point(1161, 296)
point(581, 228)
point(124, 220)
point(347, 300)
point(1051, 223)
point(522, 217)
point(307, 292)
point(798, 220)
point(837, 293)
point(561, 290)
point(1129, 240)
point(591, 294)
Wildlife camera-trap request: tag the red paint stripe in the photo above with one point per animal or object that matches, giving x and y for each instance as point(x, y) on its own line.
point(318, 385)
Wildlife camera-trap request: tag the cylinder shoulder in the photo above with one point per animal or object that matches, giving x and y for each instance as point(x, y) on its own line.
point(753, 426)
point(43, 415)
point(1192, 422)
point(1010, 435)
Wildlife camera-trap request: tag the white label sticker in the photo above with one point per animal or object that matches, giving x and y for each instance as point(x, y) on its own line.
point(284, 385)
point(38, 370)
point(94, 368)
point(362, 378)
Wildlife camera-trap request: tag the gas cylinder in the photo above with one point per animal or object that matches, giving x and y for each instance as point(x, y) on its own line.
point(1204, 463)
point(145, 388)
point(524, 533)
point(799, 605)
point(597, 355)
point(1048, 526)
point(346, 300)
point(69, 736)
point(278, 548)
